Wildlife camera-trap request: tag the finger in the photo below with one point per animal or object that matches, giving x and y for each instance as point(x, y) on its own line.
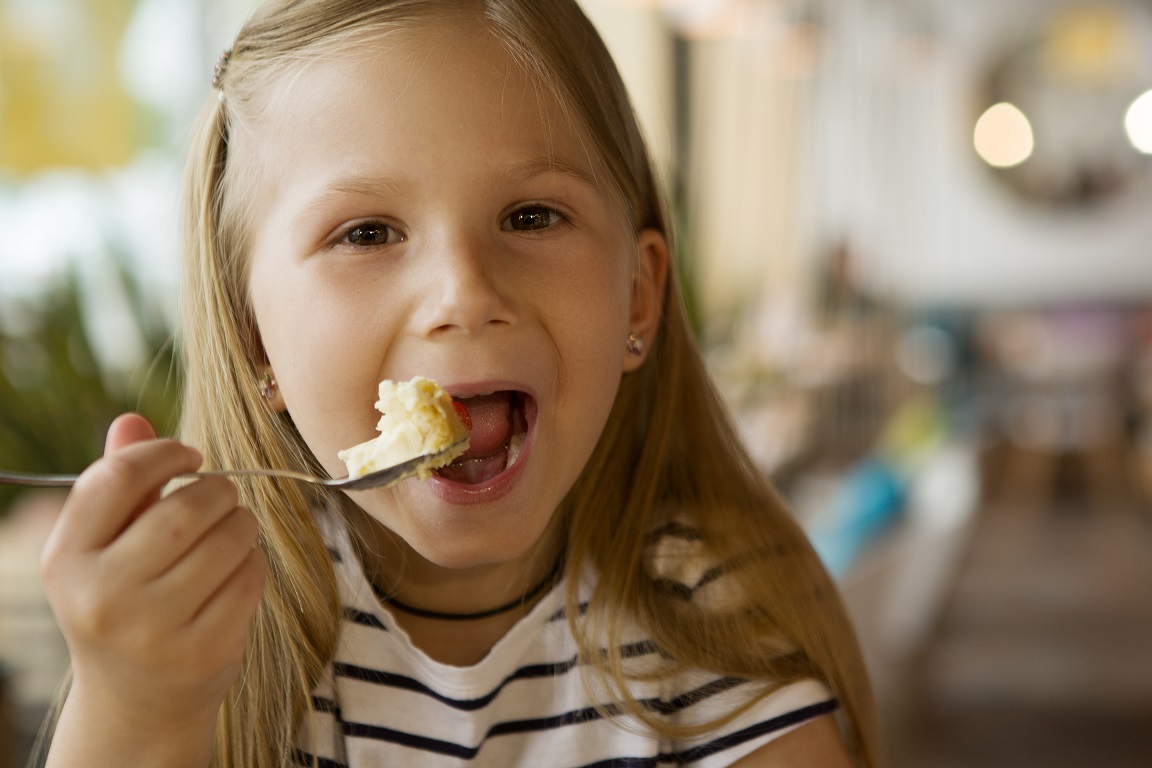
point(207, 567)
point(171, 528)
point(116, 488)
point(126, 429)
point(226, 616)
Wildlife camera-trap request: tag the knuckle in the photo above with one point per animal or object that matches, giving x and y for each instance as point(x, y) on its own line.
point(57, 568)
point(232, 539)
point(248, 525)
point(185, 510)
point(112, 471)
point(176, 526)
point(93, 613)
point(216, 490)
point(51, 564)
point(223, 488)
point(244, 531)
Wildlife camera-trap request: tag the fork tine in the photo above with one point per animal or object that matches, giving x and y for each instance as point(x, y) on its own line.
point(389, 475)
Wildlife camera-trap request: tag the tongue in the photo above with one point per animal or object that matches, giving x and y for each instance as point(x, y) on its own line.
point(491, 423)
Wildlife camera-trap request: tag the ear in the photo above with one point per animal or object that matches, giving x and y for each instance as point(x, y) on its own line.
point(649, 279)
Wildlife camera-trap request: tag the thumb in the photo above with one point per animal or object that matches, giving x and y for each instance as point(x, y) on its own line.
point(126, 429)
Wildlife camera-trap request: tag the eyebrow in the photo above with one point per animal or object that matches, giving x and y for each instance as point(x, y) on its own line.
point(374, 186)
point(371, 186)
point(538, 166)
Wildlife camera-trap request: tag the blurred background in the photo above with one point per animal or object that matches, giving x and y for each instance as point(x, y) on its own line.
point(917, 241)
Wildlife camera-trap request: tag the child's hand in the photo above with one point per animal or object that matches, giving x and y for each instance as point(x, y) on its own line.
point(154, 595)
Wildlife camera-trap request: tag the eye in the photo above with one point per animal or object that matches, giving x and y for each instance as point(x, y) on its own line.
point(370, 234)
point(531, 218)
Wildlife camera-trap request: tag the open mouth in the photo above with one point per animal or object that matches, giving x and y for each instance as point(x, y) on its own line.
point(499, 426)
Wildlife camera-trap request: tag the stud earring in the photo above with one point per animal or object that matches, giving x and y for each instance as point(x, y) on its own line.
point(267, 385)
point(634, 345)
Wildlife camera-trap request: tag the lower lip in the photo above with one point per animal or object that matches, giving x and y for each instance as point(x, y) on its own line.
point(498, 487)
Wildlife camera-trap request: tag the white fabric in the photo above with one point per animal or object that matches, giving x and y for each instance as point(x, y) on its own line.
point(383, 702)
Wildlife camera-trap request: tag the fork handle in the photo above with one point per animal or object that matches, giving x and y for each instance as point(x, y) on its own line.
point(36, 480)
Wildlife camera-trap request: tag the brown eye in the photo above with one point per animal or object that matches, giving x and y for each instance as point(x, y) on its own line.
point(371, 234)
point(531, 218)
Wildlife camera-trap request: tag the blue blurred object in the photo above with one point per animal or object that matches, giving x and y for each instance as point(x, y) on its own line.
point(868, 500)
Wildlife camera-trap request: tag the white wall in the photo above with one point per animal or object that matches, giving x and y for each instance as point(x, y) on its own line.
point(637, 36)
point(898, 171)
point(876, 147)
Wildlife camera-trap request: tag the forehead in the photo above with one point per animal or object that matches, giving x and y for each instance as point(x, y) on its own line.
point(452, 87)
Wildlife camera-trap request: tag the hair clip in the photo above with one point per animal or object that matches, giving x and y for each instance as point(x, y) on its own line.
point(218, 70)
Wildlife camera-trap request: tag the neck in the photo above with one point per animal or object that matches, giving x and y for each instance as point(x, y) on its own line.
point(440, 595)
point(524, 600)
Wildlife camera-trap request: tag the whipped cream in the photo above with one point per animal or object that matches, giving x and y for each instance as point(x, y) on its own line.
point(418, 418)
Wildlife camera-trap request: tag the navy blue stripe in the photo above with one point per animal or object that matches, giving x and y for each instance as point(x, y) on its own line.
point(562, 613)
point(380, 733)
point(324, 704)
point(737, 738)
point(363, 618)
point(528, 672)
point(673, 529)
point(572, 717)
point(588, 714)
point(683, 591)
point(300, 757)
point(695, 696)
point(553, 722)
point(688, 591)
point(403, 682)
point(725, 742)
point(423, 743)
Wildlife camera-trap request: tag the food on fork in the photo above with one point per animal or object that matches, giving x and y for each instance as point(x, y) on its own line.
point(419, 418)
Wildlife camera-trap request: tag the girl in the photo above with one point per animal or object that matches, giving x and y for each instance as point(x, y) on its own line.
point(385, 188)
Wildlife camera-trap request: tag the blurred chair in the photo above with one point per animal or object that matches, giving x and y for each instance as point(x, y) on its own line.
point(1059, 408)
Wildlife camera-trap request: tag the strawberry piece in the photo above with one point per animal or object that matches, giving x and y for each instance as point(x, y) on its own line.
point(462, 412)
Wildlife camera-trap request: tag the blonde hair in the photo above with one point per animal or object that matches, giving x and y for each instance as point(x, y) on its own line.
point(669, 448)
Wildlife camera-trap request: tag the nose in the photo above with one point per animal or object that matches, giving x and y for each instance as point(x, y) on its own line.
point(462, 288)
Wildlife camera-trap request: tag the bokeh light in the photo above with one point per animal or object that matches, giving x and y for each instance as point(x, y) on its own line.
point(1003, 136)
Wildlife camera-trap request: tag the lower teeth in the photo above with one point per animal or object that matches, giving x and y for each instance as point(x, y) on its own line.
point(515, 445)
point(478, 469)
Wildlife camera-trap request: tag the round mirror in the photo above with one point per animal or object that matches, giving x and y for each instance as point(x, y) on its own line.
point(1060, 118)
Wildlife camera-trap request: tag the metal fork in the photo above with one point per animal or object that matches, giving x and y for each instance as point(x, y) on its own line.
point(377, 479)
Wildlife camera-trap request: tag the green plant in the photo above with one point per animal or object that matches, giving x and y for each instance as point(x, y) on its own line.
point(56, 401)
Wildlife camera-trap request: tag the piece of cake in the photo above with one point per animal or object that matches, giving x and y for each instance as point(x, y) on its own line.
point(419, 418)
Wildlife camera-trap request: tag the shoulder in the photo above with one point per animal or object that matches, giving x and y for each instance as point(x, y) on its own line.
point(680, 561)
point(733, 716)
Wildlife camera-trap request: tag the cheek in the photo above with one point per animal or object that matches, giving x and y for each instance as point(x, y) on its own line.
point(319, 360)
point(278, 304)
point(599, 312)
point(594, 329)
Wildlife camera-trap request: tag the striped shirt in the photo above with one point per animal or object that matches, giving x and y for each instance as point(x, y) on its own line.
point(383, 702)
